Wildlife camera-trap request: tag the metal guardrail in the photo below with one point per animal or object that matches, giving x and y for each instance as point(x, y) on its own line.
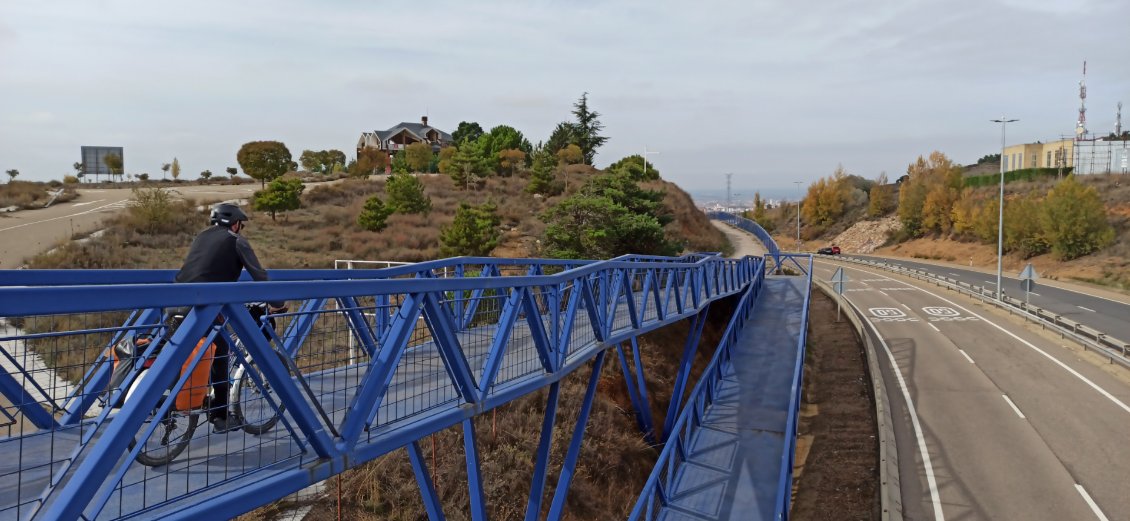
point(1116, 350)
point(890, 488)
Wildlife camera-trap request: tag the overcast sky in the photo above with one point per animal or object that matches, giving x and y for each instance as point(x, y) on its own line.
point(772, 91)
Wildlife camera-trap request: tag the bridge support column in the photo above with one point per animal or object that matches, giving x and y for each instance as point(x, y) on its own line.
point(637, 390)
point(689, 350)
point(474, 477)
point(557, 508)
point(424, 480)
point(537, 485)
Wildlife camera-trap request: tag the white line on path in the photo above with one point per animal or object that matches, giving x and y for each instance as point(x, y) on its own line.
point(935, 328)
point(932, 483)
point(92, 210)
point(1122, 405)
point(883, 292)
point(954, 274)
point(1090, 502)
point(966, 355)
point(1033, 293)
point(1085, 309)
point(88, 202)
point(1014, 407)
point(906, 306)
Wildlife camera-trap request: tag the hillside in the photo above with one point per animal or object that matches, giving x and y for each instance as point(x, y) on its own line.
point(325, 228)
point(970, 232)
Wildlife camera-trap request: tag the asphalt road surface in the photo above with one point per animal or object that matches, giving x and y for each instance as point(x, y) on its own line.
point(26, 233)
point(744, 243)
point(1088, 308)
point(992, 420)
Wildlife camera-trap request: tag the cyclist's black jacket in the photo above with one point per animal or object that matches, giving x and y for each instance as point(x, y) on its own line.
point(219, 255)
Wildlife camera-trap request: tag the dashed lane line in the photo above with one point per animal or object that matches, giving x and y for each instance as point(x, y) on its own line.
point(966, 355)
point(1014, 407)
point(1091, 503)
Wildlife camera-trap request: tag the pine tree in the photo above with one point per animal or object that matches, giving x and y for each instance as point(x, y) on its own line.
point(374, 214)
point(474, 231)
point(587, 128)
point(406, 194)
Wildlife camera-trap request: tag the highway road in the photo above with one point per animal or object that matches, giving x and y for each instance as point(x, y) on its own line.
point(992, 420)
point(1110, 315)
point(26, 233)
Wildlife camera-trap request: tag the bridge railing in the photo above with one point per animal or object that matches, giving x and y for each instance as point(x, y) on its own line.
point(752, 227)
point(657, 491)
point(430, 352)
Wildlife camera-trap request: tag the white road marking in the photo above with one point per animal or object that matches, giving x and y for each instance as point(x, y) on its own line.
point(1122, 405)
point(954, 274)
point(905, 306)
point(883, 292)
point(1085, 309)
point(927, 466)
point(1091, 503)
point(864, 283)
point(1014, 407)
point(966, 355)
point(92, 210)
point(935, 327)
point(88, 202)
point(1033, 293)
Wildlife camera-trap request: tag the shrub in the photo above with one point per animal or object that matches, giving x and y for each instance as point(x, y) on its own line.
point(474, 231)
point(70, 180)
point(374, 214)
point(1025, 174)
point(1023, 234)
point(406, 194)
point(152, 208)
point(1074, 220)
point(282, 195)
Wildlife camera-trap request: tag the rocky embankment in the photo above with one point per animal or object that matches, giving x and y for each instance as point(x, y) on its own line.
point(866, 236)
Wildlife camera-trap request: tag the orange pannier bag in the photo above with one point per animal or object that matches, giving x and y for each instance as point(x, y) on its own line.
point(191, 396)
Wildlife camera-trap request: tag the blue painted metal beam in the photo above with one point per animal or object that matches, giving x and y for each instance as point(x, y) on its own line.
point(569, 466)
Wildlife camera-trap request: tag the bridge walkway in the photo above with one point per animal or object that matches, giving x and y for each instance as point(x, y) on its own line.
point(731, 457)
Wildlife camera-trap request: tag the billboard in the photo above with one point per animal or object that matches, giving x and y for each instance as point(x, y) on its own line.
point(94, 162)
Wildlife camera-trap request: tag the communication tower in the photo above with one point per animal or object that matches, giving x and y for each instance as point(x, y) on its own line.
point(1081, 124)
point(729, 202)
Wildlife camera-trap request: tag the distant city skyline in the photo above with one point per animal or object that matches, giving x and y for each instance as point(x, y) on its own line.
point(773, 93)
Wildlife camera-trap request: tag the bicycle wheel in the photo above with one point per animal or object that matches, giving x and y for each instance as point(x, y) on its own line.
point(169, 438)
point(249, 402)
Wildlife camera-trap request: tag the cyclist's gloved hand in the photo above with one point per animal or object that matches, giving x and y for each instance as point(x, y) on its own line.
point(277, 307)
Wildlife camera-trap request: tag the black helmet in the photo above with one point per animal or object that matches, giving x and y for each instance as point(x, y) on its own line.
point(226, 214)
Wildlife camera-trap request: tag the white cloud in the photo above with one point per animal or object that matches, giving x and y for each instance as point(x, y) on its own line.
point(770, 89)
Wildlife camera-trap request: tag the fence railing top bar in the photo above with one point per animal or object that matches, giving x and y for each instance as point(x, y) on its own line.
point(66, 277)
point(31, 300)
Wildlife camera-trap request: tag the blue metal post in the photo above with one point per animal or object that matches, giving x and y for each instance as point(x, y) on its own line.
point(442, 326)
point(643, 418)
point(537, 485)
point(424, 480)
point(685, 364)
point(557, 508)
point(641, 383)
point(474, 477)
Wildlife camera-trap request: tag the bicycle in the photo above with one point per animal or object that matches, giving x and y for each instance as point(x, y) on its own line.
point(176, 426)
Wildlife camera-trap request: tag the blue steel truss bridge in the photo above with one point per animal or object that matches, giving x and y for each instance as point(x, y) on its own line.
point(366, 362)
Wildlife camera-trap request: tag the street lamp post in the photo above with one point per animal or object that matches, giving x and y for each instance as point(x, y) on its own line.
point(798, 201)
point(1000, 220)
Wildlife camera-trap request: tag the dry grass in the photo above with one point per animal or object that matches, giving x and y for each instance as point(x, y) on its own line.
point(29, 195)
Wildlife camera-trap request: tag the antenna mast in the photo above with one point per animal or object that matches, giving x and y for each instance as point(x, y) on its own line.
point(1118, 121)
point(1081, 124)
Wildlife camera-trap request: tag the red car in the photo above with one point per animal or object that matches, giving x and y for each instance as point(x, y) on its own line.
point(834, 250)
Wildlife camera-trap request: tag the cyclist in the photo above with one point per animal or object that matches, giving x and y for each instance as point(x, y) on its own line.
point(220, 254)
